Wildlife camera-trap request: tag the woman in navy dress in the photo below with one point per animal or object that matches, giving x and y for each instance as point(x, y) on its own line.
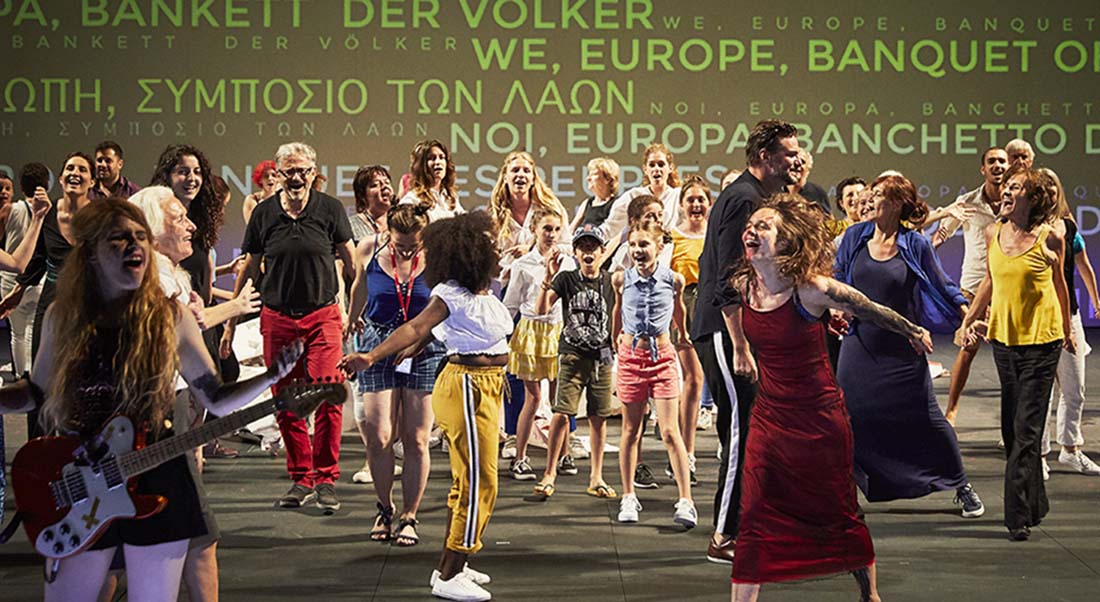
point(904, 447)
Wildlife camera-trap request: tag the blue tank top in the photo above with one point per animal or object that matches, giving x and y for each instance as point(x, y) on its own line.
point(647, 302)
point(383, 306)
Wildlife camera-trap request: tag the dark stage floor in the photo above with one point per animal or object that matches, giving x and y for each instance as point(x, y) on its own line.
point(571, 547)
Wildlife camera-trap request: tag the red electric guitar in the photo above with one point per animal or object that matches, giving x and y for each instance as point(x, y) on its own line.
point(67, 490)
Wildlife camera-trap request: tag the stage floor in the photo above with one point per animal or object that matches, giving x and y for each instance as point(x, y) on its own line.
point(572, 548)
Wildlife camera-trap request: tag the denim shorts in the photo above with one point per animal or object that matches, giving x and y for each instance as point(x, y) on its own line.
point(383, 376)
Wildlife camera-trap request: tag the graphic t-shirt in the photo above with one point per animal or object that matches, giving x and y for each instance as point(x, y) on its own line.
point(586, 312)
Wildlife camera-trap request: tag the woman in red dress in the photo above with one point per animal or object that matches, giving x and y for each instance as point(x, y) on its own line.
point(798, 509)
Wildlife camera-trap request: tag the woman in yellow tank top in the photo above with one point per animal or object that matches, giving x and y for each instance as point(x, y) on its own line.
point(1029, 323)
point(687, 245)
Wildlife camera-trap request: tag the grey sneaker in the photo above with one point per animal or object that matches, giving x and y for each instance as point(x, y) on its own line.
point(296, 496)
point(522, 471)
point(326, 497)
point(567, 466)
point(971, 503)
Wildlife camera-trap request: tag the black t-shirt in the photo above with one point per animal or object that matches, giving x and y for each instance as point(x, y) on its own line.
point(299, 254)
point(596, 214)
point(722, 249)
point(586, 306)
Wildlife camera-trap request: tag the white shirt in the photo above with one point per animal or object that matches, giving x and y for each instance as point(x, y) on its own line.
point(528, 273)
point(14, 231)
point(440, 208)
point(477, 323)
point(616, 220)
point(173, 279)
point(974, 249)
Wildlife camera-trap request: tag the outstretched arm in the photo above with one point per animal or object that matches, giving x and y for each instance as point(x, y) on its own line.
point(409, 334)
point(821, 293)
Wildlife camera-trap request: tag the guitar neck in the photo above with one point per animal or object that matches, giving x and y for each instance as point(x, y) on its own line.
point(149, 457)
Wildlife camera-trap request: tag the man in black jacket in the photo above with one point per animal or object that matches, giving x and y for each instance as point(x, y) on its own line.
point(772, 155)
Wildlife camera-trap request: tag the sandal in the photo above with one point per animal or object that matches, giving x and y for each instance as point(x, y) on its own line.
point(383, 524)
point(602, 490)
point(544, 490)
point(403, 540)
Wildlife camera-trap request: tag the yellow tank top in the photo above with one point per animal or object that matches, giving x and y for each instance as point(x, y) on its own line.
point(1024, 309)
point(686, 249)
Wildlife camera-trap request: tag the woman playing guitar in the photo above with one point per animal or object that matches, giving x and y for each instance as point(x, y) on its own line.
point(113, 344)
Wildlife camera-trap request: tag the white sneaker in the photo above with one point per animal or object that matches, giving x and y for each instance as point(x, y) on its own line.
point(629, 507)
point(460, 588)
point(577, 449)
point(1079, 462)
point(706, 420)
point(685, 513)
point(399, 450)
point(508, 452)
point(363, 475)
point(1046, 470)
point(476, 576)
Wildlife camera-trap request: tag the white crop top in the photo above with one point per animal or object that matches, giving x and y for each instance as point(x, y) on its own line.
point(476, 324)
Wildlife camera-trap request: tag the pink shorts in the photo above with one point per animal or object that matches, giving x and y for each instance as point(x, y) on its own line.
point(640, 378)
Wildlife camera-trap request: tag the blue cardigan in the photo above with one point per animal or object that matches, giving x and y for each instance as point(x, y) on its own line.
point(938, 298)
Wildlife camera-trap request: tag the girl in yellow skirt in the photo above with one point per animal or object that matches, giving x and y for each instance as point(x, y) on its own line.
point(534, 344)
point(460, 262)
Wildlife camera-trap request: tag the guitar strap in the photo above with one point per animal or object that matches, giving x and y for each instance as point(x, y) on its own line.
point(9, 530)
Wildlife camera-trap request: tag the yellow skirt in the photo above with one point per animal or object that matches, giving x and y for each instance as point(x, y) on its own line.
point(534, 348)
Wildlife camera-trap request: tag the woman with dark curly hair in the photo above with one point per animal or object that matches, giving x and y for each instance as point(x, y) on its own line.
point(798, 506)
point(1029, 323)
point(433, 180)
point(461, 260)
point(904, 447)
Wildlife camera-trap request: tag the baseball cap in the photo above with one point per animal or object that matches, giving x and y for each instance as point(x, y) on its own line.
point(588, 231)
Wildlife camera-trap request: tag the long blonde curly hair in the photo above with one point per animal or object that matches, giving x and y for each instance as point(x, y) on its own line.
point(500, 204)
point(145, 366)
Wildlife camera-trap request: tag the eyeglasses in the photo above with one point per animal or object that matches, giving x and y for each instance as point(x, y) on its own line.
point(299, 172)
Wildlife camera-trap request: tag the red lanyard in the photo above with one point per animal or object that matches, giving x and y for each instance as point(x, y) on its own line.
point(403, 301)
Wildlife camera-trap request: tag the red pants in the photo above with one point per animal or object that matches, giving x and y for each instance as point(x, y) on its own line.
point(318, 462)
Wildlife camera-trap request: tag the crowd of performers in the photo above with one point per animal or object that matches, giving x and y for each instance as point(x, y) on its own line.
point(644, 303)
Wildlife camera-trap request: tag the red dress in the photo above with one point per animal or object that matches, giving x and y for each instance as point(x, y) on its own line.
point(798, 506)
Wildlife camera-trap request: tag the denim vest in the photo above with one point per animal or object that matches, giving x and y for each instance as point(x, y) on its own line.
point(647, 305)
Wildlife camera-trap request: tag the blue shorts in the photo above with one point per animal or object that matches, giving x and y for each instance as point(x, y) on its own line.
point(382, 376)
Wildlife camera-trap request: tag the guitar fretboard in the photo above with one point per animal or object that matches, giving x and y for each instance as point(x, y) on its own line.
point(142, 460)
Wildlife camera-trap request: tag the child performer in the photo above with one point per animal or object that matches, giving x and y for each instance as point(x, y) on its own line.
point(534, 344)
point(460, 260)
point(586, 352)
point(687, 245)
point(648, 297)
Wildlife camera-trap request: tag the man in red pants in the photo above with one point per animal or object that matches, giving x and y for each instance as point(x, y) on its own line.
point(299, 233)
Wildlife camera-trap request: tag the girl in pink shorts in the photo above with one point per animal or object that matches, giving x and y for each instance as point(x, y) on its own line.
point(648, 299)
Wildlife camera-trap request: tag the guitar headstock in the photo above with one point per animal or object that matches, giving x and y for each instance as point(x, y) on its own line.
point(302, 396)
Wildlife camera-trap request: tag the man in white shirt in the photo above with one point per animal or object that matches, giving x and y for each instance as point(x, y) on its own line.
point(983, 204)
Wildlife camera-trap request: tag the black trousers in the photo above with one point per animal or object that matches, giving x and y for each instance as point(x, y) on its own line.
point(733, 396)
point(1027, 375)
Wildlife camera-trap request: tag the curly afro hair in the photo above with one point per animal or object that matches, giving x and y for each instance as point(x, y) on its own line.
point(462, 249)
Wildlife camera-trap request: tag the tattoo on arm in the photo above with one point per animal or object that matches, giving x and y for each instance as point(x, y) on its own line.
point(208, 385)
point(863, 308)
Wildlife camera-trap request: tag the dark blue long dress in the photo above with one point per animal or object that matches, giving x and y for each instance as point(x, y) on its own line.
point(904, 448)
